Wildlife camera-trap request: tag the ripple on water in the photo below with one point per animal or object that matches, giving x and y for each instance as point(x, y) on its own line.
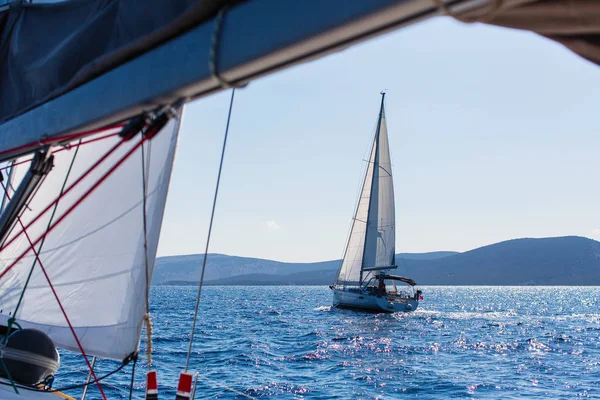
point(287, 342)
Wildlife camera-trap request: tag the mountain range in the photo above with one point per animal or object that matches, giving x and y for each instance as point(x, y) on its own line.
point(568, 260)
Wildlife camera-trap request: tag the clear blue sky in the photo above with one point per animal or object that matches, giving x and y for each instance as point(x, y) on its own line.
point(494, 135)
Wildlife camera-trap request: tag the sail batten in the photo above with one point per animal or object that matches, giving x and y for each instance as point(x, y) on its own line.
point(371, 245)
point(95, 258)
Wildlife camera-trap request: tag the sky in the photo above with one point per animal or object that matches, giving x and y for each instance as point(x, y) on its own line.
point(494, 135)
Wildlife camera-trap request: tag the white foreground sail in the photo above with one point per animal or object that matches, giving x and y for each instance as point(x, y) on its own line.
point(95, 257)
point(364, 280)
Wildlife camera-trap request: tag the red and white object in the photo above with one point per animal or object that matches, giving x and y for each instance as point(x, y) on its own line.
point(151, 386)
point(184, 388)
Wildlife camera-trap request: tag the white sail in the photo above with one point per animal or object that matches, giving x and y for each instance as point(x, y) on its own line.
point(95, 257)
point(350, 271)
point(380, 241)
point(372, 239)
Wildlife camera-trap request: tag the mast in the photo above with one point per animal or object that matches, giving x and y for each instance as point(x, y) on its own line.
point(375, 166)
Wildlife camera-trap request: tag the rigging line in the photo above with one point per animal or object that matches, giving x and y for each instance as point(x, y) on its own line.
point(62, 309)
point(145, 225)
point(39, 250)
point(88, 379)
point(132, 376)
point(212, 215)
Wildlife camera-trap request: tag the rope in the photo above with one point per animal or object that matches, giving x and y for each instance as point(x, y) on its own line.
point(145, 224)
point(213, 58)
point(486, 17)
point(212, 215)
point(148, 324)
point(88, 379)
point(132, 378)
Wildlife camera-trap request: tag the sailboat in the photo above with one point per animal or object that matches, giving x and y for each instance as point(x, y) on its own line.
point(364, 280)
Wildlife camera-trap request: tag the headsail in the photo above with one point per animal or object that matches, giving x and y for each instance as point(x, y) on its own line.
point(371, 245)
point(95, 257)
point(380, 243)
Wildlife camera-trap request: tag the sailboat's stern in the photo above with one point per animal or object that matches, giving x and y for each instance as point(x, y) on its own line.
point(391, 304)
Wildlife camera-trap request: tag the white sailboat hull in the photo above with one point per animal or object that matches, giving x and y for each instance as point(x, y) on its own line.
point(345, 299)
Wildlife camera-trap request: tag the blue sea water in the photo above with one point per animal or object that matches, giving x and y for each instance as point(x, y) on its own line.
point(286, 342)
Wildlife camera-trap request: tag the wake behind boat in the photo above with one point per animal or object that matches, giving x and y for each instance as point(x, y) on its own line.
point(364, 280)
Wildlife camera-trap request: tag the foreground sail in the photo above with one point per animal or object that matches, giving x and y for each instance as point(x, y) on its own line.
point(79, 231)
point(95, 258)
point(364, 280)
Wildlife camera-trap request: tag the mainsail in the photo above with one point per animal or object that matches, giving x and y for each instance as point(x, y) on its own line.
point(95, 258)
point(371, 245)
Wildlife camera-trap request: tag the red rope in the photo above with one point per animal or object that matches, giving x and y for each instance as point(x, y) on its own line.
point(67, 147)
point(86, 173)
point(57, 139)
point(75, 205)
point(37, 256)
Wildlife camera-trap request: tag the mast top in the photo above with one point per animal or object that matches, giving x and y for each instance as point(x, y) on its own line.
point(381, 108)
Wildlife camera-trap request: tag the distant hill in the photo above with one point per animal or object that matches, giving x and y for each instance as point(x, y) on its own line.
point(567, 260)
point(220, 266)
point(433, 255)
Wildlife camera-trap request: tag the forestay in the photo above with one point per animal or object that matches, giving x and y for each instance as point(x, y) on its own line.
point(95, 257)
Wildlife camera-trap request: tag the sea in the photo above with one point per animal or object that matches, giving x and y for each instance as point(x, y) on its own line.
point(287, 342)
